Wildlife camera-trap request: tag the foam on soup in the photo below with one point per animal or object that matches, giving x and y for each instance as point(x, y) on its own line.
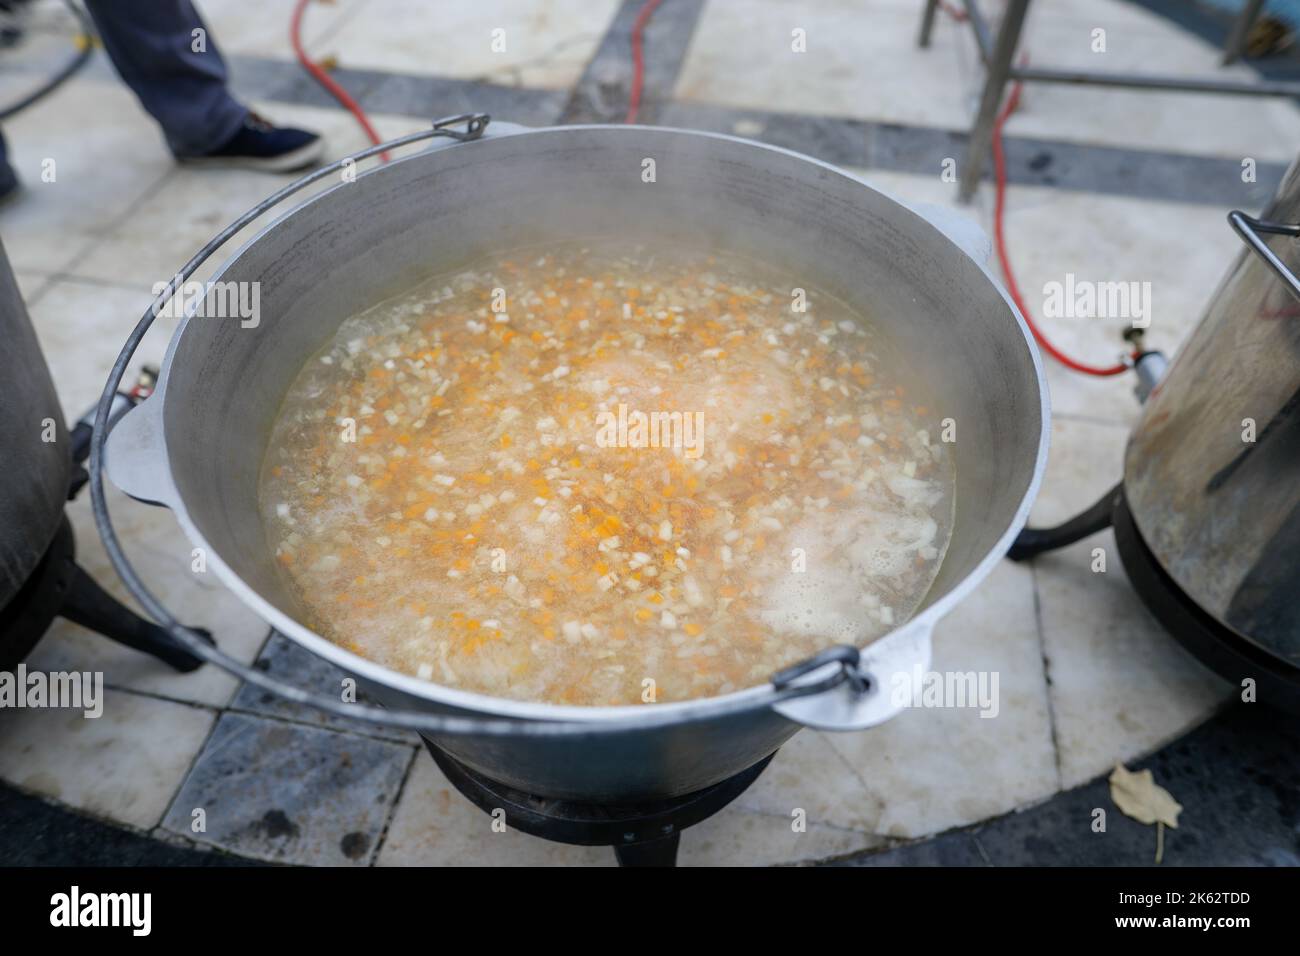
point(602, 475)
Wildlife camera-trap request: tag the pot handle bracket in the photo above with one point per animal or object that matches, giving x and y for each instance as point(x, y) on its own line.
point(858, 688)
point(136, 460)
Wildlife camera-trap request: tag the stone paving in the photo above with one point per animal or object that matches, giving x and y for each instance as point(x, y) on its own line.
point(1104, 183)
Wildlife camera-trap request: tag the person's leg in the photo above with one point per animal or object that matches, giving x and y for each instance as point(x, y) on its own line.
point(164, 53)
point(178, 75)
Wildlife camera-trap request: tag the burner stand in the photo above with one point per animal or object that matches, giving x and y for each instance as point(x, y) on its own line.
point(642, 834)
point(58, 587)
point(1229, 654)
point(1215, 645)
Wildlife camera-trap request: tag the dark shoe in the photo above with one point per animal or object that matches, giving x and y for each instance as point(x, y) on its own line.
point(259, 145)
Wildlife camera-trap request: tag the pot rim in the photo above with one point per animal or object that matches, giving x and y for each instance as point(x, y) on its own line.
point(754, 697)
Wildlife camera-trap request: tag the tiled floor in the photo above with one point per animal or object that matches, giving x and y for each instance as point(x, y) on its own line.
point(513, 42)
point(1087, 678)
point(1060, 35)
point(742, 56)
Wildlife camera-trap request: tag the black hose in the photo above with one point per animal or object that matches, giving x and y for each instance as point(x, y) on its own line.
point(1034, 541)
point(58, 79)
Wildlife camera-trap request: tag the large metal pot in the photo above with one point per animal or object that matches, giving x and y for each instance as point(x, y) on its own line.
point(1212, 470)
point(33, 441)
point(197, 444)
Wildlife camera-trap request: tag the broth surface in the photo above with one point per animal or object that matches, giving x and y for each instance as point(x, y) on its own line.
point(599, 475)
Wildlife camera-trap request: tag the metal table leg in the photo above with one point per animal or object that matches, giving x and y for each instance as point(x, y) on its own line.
point(661, 852)
point(927, 22)
point(1236, 43)
point(999, 53)
point(995, 82)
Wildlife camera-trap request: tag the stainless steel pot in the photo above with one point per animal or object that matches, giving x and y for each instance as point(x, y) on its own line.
point(33, 440)
point(1212, 470)
point(197, 444)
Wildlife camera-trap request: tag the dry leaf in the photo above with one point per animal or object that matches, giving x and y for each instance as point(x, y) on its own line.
point(1138, 796)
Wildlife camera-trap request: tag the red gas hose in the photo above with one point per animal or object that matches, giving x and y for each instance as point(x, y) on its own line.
point(325, 80)
point(633, 108)
point(999, 238)
point(638, 59)
point(957, 14)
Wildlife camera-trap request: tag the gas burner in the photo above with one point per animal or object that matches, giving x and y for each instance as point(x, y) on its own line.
point(642, 834)
point(45, 468)
point(1272, 664)
point(1231, 655)
point(60, 588)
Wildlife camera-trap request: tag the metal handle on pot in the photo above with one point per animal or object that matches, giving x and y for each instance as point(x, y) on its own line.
point(835, 689)
point(1249, 228)
point(880, 682)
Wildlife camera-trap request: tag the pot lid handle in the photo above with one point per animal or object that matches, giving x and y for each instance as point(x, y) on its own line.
point(1249, 229)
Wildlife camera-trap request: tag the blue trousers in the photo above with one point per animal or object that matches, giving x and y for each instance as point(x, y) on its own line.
point(152, 44)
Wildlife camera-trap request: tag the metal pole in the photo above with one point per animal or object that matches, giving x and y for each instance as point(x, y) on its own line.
point(995, 81)
point(1236, 44)
point(982, 38)
point(1170, 84)
point(927, 22)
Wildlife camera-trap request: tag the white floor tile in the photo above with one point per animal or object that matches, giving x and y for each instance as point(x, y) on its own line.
point(547, 42)
point(1120, 686)
point(194, 204)
point(261, 27)
point(125, 765)
point(738, 837)
point(104, 154)
point(433, 825)
point(860, 62)
point(82, 326)
point(1182, 250)
point(161, 553)
point(31, 284)
point(928, 769)
point(1200, 124)
point(808, 775)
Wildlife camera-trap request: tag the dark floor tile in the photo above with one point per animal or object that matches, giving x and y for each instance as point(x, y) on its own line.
point(36, 833)
point(602, 93)
point(830, 139)
point(950, 849)
point(1142, 174)
point(921, 150)
point(402, 94)
point(286, 661)
point(1236, 776)
point(288, 793)
point(434, 97)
